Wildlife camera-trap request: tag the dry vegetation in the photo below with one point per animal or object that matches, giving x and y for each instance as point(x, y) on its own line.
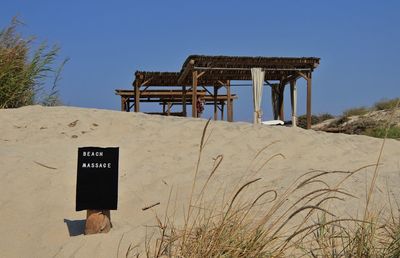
point(273, 224)
point(372, 121)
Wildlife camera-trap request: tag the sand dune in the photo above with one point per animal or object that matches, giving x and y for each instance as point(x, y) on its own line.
point(38, 161)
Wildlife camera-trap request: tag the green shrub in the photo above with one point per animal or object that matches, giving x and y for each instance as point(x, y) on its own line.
point(324, 116)
point(315, 119)
point(359, 111)
point(386, 104)
point(302, 121)
point(380, 132)
point(24, 72)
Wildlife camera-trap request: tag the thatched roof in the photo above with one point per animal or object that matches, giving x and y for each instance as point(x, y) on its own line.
point(157, 78)
point(222, 68)
point(250, 62)
point(238, 67)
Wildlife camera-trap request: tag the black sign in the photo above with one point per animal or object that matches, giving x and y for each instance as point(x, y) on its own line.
point(97, 181)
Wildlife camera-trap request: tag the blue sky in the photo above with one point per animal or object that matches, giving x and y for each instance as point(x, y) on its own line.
point(107, 41)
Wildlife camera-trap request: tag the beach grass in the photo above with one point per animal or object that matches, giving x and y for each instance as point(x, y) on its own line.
point(24, 71)
point(358, 111)
point(385, 104)
point(296, 222)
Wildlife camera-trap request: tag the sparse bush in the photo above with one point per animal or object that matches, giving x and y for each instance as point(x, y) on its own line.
point(386, 104)
point(24, 72)
point(380, 132)
point(324, 116)
point(356, 111)
point(302, 121)
point(315, 119)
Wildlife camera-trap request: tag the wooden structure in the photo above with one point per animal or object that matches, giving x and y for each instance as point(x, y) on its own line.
point(163, 88)
point(199, 73)
point(97, 221)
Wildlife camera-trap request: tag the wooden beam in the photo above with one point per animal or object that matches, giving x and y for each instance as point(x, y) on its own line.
point(169, 109)
point(291, 78)
point(229, 102)
point(275, 100)
point(281, 109)
point(222, 109)
point(97, 221)
point(184, 100)
point(171, 93)
point(186, 72)
point(194, 96)
point(303, 75)
point(128, 104)
point(293, 100)
point(200, 74)
point(215, 102)
point(146, 82)
point(309, 101)
point(123, 103)
point(137, 97)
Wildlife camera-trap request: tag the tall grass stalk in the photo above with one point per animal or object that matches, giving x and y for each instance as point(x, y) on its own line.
point(267, 223)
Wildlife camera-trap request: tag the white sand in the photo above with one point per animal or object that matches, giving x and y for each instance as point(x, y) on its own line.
point(156, 153)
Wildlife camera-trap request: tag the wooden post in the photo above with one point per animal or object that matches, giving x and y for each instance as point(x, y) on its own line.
point(169, 109)
point(215, 102)
point(184, 100)
point(275, 100)
point(194, 94)
point(97, 221)
point(137, 96)
point(222, 110)
point(229, 103)
point(309, 101)
point(281, 109)
point(128, 104)
point(123, 103)
point(293, 100)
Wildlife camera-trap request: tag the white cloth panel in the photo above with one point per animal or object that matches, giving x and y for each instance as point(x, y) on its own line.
point(257, 75)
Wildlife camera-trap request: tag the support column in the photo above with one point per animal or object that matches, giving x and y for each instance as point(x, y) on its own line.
point(194, 94)
point(137, 97)
point(228, 102)
point(97, 221)
point(123, 103)
point(215, 102)
point(169, 109)
point(309, 101)
point(222, 110)
point(293, 100)
point(184, 101)
point(275, 100)
point(280, 101)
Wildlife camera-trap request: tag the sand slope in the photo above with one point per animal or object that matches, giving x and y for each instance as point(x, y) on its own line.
point(37, 204)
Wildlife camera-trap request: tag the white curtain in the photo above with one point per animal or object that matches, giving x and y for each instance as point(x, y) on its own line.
point(257, 75)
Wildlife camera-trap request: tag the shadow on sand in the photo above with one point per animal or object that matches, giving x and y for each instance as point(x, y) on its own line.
point(75, 227)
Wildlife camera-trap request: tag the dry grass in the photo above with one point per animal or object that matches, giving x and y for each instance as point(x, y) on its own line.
point(315, 119)
point(385, 104)
point(296, 222)
point(359, 111)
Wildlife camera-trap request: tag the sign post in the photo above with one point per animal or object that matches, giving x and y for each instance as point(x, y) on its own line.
point(97, 186)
